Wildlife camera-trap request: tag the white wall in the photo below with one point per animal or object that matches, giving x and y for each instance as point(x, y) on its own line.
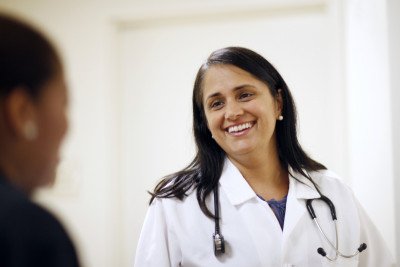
point(88, 196)
point(369, 114)
point(393, 11)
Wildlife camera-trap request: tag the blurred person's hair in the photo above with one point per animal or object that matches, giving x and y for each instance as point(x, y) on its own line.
point(27, 58)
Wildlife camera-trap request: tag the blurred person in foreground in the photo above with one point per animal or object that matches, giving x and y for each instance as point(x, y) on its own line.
point(33, 123)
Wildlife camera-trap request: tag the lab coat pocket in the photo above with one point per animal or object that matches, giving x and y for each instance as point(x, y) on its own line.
point(340, 262)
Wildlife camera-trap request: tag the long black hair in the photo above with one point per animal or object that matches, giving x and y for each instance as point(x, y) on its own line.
point(203, 173)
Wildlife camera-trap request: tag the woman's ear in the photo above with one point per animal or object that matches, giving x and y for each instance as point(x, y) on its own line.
point(20, 114)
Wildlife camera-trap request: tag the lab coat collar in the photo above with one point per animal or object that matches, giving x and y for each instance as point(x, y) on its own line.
point(239, 191)
point(303, 188)
point(234, 185)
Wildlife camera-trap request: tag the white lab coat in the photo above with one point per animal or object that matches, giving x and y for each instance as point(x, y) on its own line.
point(177, 233)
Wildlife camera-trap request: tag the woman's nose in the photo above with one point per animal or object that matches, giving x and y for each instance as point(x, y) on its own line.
point(233, 111)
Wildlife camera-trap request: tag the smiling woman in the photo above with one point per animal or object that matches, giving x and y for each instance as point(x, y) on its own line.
point(252, 184)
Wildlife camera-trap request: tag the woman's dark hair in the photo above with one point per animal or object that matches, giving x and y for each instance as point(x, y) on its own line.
point(27, 58)
point(203, 173)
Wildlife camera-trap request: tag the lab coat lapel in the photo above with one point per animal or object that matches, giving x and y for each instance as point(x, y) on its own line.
point(299, 191)
point(262, 226)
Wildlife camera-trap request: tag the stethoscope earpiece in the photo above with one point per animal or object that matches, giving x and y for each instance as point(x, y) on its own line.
point(322, 252)
point(362, 247)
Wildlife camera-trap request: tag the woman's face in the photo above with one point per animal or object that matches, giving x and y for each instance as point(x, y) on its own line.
point(240, 111)
point(52, 124)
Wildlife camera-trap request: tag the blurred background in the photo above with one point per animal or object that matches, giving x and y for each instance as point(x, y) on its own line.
point(131, 65)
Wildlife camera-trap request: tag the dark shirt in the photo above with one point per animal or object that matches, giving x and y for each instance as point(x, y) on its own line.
point(279, 209)
point(30, 235)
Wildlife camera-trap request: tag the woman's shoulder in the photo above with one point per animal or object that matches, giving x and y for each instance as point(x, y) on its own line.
point(327, 179)
point(173, 201)
point(326, 174)
point(330, 181)
point(175, 187)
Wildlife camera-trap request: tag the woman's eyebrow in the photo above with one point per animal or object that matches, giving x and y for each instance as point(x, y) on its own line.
point(234, 89)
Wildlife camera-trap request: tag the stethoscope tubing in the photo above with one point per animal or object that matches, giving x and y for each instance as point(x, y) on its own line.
point(335, 247)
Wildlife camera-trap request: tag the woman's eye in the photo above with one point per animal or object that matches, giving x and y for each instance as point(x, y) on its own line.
point(245, 95)
point(216, 104)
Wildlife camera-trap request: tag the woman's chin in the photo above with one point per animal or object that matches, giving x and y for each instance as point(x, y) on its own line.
point(241, 151)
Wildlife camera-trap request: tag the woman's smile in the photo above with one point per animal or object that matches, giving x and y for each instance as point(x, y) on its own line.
point(239, 129)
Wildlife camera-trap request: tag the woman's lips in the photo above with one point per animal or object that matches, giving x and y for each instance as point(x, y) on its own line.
point(239, 129)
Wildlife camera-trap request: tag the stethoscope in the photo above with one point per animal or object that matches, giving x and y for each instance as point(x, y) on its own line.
point(219, 242)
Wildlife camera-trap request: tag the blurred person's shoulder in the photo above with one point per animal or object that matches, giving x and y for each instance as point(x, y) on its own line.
point(31, 234)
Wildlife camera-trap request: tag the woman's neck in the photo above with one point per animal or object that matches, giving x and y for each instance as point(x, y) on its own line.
point(264, 173)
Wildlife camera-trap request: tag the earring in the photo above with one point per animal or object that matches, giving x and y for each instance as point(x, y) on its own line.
point(30, 130)
point(280, 118)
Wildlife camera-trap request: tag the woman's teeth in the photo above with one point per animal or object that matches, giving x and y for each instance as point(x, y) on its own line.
point(238, 128)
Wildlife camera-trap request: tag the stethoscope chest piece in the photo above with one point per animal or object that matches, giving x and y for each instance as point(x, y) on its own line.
point(219, 244)
point(218, 239)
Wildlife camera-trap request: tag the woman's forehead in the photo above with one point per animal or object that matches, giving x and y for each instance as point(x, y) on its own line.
point(224, 77)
